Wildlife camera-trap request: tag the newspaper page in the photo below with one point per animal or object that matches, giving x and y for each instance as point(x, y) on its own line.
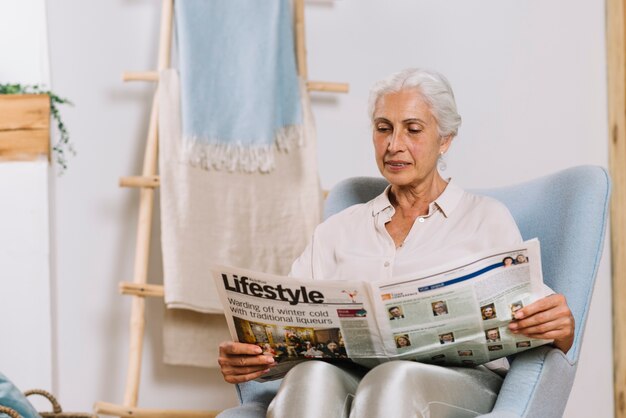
point(294, 320)
point(459, 315)
point(453, 315)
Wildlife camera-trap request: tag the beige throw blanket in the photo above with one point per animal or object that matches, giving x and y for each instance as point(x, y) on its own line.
point(256, 221)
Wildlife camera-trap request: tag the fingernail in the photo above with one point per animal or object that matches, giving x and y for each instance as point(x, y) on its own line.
point(266, 370)
point(512, 326)
point(270, 360)
point(258, 350)
point(519, 315)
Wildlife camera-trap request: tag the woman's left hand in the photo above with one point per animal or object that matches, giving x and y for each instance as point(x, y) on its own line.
point(548, 318)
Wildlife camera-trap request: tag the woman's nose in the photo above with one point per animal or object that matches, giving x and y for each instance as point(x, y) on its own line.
point(395, 142)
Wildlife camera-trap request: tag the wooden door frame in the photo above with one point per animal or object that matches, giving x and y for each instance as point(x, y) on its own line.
point(616, 68)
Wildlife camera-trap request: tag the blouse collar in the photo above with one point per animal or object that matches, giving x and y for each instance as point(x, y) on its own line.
point(447, 201)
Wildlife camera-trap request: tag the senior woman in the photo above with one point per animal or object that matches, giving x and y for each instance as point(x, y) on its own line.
point(420, 221)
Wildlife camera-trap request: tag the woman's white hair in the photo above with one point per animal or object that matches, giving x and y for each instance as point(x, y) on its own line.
point(434, 88)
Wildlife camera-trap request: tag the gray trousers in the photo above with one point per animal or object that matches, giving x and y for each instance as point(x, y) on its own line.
point(396, 389)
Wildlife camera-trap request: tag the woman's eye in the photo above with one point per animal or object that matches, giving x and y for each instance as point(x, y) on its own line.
point(383, 128)
point(415, 129)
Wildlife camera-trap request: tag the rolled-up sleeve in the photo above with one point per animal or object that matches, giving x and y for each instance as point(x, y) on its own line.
point(302, 268)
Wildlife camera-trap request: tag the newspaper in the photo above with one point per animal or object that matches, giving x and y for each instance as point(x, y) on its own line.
point(453, 315)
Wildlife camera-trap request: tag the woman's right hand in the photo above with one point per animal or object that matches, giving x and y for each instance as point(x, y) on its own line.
point(241, 362)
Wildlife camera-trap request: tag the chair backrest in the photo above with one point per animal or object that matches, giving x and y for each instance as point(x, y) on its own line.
point(567, 211)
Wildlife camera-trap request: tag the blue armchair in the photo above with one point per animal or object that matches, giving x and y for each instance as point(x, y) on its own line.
point(567, 211)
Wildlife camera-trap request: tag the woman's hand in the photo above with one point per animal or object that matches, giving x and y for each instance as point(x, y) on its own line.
point(548, 318)
point(241, 362)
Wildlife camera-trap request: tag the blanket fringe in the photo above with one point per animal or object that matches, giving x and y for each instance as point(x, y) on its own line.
point(217, 155)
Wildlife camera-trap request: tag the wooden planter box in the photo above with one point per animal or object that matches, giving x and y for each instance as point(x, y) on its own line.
point(24, 127)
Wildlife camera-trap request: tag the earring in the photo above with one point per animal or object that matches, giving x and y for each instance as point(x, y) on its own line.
point(441, 163)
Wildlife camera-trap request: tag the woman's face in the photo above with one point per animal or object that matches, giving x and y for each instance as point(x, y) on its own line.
point(403, 342)
point(406, 138)
point(492, 334)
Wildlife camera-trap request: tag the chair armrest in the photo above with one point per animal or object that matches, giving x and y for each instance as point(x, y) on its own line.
point(538, 385)
point(254, 398)
point(253, 391)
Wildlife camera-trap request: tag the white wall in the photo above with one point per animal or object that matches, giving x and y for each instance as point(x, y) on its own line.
point(23, 42)
point(26, 351)
point(26, 355)
point(91, 44)
point(530, 82)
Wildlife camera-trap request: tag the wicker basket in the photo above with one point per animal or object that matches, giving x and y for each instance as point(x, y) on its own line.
point(57, 411)
point(10, 412)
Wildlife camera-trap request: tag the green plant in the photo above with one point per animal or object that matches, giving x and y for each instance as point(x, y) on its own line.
point(63, 145)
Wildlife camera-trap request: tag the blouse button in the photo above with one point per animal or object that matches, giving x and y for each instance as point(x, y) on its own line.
point(420, 219)
point(386, 263)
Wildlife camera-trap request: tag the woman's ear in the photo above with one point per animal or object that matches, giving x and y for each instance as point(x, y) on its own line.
point(445, 143)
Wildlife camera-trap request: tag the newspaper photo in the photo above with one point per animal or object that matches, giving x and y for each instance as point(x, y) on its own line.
point(453, 315)
point(459, 315)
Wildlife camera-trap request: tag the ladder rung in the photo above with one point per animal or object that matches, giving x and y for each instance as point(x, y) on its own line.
point(328, 86)
point(154, 181)
point(310, 85)
point(105, 408)
point(140, 76)
point(140, 181)
point(136, 289)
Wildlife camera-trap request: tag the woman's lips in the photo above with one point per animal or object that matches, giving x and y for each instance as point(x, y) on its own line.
point(396, 165)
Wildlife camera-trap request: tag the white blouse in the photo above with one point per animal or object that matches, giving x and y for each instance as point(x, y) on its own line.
point(355, 245)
